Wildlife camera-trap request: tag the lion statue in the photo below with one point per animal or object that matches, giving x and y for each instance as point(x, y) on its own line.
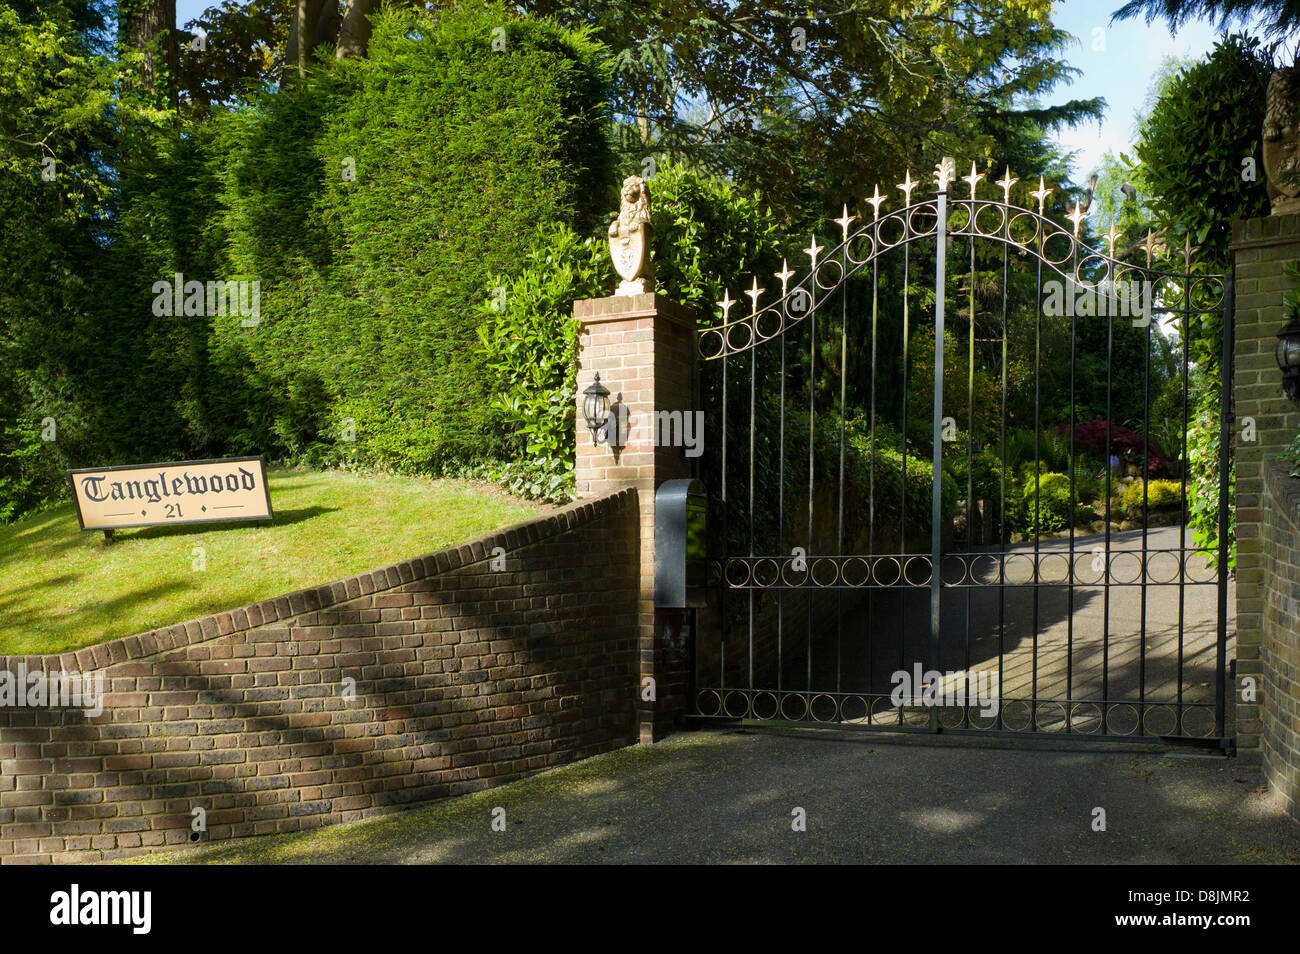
point(1282, 143)
point(630, 238)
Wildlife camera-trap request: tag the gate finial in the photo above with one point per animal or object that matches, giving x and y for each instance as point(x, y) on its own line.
point(1042, 194)
point(907, 185)
point(785, 275)
point(1077, 217)
point(813, 250)
point(1007, 181)
point(945, 170)
point(875, 201)
point(844, 221)
point(725, 305)
point(973, 178)
point(753, 292)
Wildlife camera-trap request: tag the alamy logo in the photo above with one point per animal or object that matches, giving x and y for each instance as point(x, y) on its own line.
point(1117, 299)
point(40, 690)
point(74, 907)
point(934, 688)
point(179, 298)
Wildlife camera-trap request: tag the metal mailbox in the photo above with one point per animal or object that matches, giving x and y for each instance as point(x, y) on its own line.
point(681, 508)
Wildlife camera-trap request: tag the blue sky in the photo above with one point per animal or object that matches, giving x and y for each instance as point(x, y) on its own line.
point(1121, 71)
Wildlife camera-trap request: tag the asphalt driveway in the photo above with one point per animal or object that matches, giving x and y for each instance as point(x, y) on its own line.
point(732, 796)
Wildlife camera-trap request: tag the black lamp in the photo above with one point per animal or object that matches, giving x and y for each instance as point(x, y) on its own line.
point(595, 408)
point(1288, 356)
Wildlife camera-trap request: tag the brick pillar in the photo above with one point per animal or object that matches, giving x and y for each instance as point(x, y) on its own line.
point(1260, 249)
point(644, 348)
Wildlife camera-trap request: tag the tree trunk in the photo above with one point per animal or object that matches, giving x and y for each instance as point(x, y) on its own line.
point(310, 20)
point(354, 32)
point(155, 20)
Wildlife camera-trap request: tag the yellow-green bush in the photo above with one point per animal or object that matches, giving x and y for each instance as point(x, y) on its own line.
point(1161, 495)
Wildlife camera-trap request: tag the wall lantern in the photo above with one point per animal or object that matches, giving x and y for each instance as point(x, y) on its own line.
point(1288, 357)
point(595, 408)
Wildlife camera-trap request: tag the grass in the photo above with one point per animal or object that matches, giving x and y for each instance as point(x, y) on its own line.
point(62, 588)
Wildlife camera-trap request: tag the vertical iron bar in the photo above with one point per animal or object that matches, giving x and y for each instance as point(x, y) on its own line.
point(1182, 530)
point(1227, 417)
point(780, 515)
point(936, 483)
point(844, 379)
point(753, 387)
point(1002, 478)
point(812, 419)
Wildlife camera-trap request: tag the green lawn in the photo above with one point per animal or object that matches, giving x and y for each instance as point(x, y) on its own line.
point(62, 588)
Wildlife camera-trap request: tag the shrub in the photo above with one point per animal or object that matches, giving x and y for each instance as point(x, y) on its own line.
point(531, 340)
point(1160, 495)
point(1052, 504)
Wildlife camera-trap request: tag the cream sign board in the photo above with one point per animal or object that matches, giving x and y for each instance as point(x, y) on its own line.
point(195, 491)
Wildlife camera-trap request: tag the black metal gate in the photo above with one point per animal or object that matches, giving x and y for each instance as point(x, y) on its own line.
point(891, 547)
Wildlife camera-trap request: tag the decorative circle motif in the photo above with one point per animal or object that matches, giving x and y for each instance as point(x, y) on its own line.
point(739, 342)
point(1201, 566)
point(1016, 714)
point(817, 711)
point(764, 712)
point(765, 572)
point(1024, 228)
point(977, 718)
point(1054, 568)
point(827, 566)
point(953, 569)
point(890, 231)
point(854, 240)
point(1058, 247)
point(735, 704)
point(915, 715)
point(1086, 572)
point(1050, 717)
point(1018, 568)
point(776, 323)
point(803, 714)
point(822, 265)
point(1125, 567)
point(1085, 718)
point(892, 571)
point(1122, 719)
point(882, 711)
point(1160, 720)
point(853, 709)
point(958, 218)
point(917, 565)
point(792, 577)
point(984, 569)
point(928, 214)
point(1207, 294)
point(711, 344)
point(851, 568)
point(708, 702)
point(1198, 722)
point(1162, 567)
point(990, 220)
point(952, 717)
point(738, 573)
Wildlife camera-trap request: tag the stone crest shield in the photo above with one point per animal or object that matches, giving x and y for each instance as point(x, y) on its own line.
point(631, 237)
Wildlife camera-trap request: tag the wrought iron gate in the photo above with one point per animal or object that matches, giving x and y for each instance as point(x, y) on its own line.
point(855, 581)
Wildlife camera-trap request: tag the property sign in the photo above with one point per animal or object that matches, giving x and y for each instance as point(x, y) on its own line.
point(194, 491)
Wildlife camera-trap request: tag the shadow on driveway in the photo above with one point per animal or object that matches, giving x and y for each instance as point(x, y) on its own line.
point(728, 797)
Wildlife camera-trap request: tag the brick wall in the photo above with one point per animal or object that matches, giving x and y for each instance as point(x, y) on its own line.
point(465, 677)
point(1279, 702)
point(1261, 248)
